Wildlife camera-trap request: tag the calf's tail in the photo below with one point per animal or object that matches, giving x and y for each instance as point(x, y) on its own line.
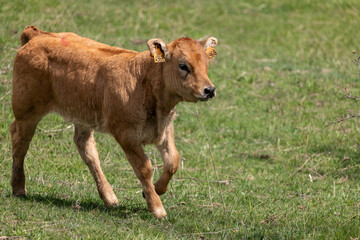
point(28, 33)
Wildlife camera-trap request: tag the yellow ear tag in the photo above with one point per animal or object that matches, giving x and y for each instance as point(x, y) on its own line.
point(211, 52)
point(158, 55)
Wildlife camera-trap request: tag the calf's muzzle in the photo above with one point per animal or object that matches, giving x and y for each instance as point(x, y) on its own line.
point(209, 92)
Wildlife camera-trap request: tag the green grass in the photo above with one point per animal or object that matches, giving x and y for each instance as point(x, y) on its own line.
point(279, 73)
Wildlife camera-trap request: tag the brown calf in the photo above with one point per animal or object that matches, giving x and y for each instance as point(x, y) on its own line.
point(128, 94)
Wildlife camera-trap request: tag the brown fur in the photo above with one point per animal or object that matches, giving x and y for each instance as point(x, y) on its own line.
point(108, 89)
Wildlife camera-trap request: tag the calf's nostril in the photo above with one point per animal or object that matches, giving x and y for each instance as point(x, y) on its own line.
point(209, 91)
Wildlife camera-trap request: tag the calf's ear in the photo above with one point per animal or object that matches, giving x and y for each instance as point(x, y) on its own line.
point(158, 50)
point(209, 44)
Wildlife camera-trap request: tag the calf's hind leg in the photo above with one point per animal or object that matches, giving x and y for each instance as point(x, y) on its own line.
point(86, 146)
point(22, 132)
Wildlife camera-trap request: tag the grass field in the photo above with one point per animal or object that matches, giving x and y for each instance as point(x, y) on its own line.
point(280, 73)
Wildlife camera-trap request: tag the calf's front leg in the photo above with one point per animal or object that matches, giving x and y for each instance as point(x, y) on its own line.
point(170, 158)
point(143, 170)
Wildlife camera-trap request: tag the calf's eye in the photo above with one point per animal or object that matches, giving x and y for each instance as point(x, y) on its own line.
point(184, 67)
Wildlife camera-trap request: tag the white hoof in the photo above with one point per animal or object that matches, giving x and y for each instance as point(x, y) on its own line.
point(159, 213)
point(111, 200)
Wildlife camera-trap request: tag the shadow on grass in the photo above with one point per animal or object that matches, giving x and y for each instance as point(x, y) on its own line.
point(346, 159)
point(263, 157)
point(335, 149)
point(87, 205)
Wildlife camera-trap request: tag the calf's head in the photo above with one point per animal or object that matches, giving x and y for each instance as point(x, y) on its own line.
point(185, 66)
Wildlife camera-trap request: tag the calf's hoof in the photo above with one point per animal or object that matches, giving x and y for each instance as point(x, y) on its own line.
point(160, 190)
point(21, 192)
point(159, 213)
point(110, 201)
